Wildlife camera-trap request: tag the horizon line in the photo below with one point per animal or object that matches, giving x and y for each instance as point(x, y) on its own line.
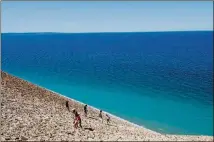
point(110, 32)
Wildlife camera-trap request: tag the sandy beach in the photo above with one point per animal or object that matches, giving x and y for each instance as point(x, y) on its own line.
point(32, 113)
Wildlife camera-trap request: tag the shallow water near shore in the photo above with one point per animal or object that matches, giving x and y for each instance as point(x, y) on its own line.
point(83, 76)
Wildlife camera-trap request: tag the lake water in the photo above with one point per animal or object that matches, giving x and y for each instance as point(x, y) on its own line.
point(161, 80)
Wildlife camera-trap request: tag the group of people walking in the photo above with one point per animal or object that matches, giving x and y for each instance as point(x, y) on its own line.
point(101, 116)
point(77, 118)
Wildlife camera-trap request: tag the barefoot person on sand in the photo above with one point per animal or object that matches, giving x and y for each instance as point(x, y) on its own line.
point(77, 119)
point(108, 118)
point(67, 105)
point(100, 115)
point(85, 110)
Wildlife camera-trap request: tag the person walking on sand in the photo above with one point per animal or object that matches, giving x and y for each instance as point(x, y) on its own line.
point(108, 118)
point(67, 105)
point(77, 119)
point(85, 110)
point(100, 116)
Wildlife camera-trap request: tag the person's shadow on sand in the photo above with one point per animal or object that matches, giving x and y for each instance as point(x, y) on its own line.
point(90, 129)
point(112, 125)
point(92, 117)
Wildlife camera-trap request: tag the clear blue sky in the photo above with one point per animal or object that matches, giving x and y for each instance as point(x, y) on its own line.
point(109, 16)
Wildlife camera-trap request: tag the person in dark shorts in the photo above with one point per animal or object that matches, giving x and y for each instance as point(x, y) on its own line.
point(67, 105)
point(100, 115)
point(77, 119)
point(85, 110)
point(108, 118)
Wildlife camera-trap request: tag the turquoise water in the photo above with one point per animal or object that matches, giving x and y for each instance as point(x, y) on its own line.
point(164, 85)
point(174, 116)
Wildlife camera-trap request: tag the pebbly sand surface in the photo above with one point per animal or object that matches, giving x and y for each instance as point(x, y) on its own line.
point(32, 113)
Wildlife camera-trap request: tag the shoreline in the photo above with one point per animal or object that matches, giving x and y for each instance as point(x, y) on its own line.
point(120, 122)
point(126, 121)
point(61, 95)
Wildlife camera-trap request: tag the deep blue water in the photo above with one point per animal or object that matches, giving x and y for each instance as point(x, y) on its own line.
point(161, 80)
